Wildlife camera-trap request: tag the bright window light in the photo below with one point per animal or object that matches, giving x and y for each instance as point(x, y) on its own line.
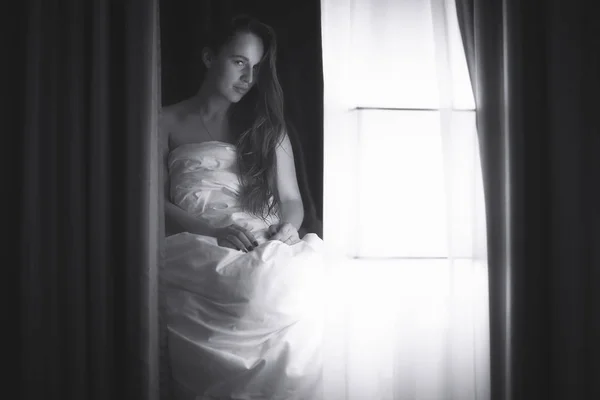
point(399, 68)
point(402, 192)
point(391, 156)
point(403, 210)
point(400, 185)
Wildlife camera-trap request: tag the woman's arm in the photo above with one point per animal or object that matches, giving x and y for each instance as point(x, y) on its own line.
point(176, 219)
point(292, 209)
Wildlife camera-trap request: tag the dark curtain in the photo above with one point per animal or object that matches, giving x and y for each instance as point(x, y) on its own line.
point(298, 28)
point(534, 67)
point(87, 207)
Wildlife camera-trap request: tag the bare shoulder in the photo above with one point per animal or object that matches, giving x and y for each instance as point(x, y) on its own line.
point(170, 118)
point(171, 114)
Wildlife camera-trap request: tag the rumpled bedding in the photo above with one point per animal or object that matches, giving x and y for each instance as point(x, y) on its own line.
point(239, 325)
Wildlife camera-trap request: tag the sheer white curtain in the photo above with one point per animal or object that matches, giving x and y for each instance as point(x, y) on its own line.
point(404, 219)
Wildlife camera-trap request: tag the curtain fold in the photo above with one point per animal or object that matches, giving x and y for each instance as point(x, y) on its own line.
point(532, 67)
point(89, 234)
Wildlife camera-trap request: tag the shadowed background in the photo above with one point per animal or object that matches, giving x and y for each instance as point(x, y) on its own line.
point(298, 28)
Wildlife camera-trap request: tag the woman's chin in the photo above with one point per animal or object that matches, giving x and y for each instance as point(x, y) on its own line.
point(236, 97)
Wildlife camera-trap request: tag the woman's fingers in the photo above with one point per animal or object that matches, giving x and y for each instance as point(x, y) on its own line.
point(246, 237)
point(279, 232)
point(236, 242)
point(272, 230)
point(243, 239)
point(240, 238)
point(226, 243)
point(287, 233)
point(293, 238)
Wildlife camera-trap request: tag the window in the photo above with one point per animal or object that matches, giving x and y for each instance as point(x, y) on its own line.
point(407, 170)
point(401, 189)
point(403, 204)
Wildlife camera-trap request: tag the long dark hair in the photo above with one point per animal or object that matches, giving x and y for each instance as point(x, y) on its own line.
point(257, 119)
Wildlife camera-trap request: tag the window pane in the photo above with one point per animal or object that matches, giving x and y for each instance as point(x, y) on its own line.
point(393, 54)
point(411, 185)
point(400, 185)
point(394, 60)
point(463, 186)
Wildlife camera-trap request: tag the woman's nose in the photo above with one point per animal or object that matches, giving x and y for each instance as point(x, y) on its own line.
point(248, 76)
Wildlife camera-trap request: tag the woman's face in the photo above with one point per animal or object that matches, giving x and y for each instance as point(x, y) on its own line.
point(234, 69)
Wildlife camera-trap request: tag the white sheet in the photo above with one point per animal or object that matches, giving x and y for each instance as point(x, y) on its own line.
point(240, 325)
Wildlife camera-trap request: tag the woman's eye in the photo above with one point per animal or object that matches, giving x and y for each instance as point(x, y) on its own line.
point(239, 63)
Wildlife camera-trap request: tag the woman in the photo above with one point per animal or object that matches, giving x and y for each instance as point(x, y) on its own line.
point(242, 290)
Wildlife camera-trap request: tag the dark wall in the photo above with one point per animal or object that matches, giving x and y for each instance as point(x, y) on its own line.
point(298, 27)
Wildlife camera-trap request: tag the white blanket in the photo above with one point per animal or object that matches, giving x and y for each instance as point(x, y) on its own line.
point(240, 325)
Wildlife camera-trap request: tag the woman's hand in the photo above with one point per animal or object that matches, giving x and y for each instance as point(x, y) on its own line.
point(237, 238)
point(286, 232)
